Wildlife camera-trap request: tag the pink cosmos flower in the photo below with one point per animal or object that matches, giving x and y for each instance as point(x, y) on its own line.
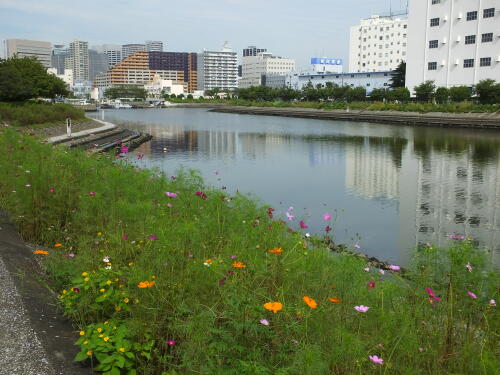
point(327, 217)
point(124, 149)
point(52, 191)
point(421, 350)
point(170, 205)
point(264, 322)
point(492, 303)
point(125, 237)
point(382, 272)
point(92, 193)
point(289, 216)
point(171, 342)
point(328, 228)
point(376, 359)
point(471, 295)
point(303, 225)
point(432, 296)
point(170, 195)
point(394, 268)
point(469, 267)
point(70, 255)
point(361, 308)
point(152, 237)
point(357, 246)
point(233, 256)
point(190, 255)
point(140, 156)
point(371, 284)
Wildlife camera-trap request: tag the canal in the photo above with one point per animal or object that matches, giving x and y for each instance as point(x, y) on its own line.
point(389, 188)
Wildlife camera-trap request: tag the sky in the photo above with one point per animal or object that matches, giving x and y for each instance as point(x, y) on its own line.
point(297, 29)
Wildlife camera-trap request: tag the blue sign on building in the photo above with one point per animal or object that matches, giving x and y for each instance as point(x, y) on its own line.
point(326, 61)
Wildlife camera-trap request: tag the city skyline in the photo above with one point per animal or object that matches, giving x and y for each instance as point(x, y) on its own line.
point(307, 31)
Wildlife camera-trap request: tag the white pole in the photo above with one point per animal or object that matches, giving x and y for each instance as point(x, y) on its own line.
point(68, 127)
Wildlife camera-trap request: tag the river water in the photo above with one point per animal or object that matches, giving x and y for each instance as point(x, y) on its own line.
point(389, 188)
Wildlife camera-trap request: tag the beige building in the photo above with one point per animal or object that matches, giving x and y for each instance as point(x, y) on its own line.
point(67, 77)
point(158, 86)
point(254, 67)
point(29, 48)
point(78, 60)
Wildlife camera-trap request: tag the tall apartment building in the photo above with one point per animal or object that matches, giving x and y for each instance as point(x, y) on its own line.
point(98, 63)
point(78, 60)
point(58, 58)
point(154, 45)
point(141, 68)
point(252, 51)
point(254, 67)
point(453, 42)
point(113, 51)
point(218, 69)
point(378, 44)
point(29, 48)
point(129, 49)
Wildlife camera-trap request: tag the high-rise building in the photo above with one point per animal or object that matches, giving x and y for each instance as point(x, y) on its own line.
point(378, 44)
point(252, 51)
point(29, 48)
point(129, 49)
point(254, 67)
point(154, 45)
point(58, 58)
point(113, 51)
point(98, 63)
point(141, 68)
point(78, 60)
point(453, 42)
point(218, 69)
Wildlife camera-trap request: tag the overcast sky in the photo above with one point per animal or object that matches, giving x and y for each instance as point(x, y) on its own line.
point(298, 29)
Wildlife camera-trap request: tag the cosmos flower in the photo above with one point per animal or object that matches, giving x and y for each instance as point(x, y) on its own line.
point(170, 195)
point(471, 295)
point(394, 268)
point(361, 308)
point(469, 267)
point(171, 342)
point(357, 246)
point(376, 359)
point(273, 306)
point(310, 302)
point(303, 225)
point(264, 322)
point(327, 217)
point(152, 237)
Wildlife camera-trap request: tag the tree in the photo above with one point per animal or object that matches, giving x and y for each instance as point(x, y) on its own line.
point(189, 96)
point(460, 93)
point(26, 78)
point(378, 95)
point(398, 76)
point(425, 92)
point(401, 94)
point(357, 94)
point(488, 91)
point(442, 95)
point(125, 91)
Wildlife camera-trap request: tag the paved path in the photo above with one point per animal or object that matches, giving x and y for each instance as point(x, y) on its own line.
point(34, 338)
point(64, 138)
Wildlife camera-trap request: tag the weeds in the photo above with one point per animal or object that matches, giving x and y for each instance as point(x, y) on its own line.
point(198, 282)
point(24, 114)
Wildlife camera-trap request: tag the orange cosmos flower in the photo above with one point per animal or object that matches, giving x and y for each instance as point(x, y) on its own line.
point(310, 302)
point(145, 284)
point(58, 244)
point(277, 250)
point(239, 265)
point(273, 306)
point(335, 300)
point(41, 252)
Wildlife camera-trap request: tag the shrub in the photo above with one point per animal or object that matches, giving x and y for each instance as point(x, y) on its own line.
point(442, 95)
point(425, 92)
point(488, 91)
point(460, 93)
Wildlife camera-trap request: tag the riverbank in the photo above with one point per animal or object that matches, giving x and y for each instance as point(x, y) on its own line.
point(164, 274)
point(463, 120)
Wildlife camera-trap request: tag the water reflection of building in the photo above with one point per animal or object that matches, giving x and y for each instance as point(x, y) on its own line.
point(457, 194)
point(371, 171)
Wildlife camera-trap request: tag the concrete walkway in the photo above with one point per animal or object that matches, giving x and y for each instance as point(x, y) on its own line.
point(35, 339)
point(64, 138)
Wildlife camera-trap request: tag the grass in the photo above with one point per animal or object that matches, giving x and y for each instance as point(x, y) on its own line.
point(464, 107)
point(151, 284)
point(27, 114)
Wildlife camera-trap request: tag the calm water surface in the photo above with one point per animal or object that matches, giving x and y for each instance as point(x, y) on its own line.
point(390, 188)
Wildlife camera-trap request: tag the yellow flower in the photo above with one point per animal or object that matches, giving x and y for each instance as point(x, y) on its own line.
point(153, 277)
point(89, 353)
point(106, 322)
point(99, 233)
point(82, 333)
point(65, 291)
point(102, 290)
point(121, 350)
point(99, 329)
point(85, 274)
point(85, 342)
point(118, 308)
point(131, 264)
point(101, 335)
point(109, 282)
point(86, 279)
point(125, 300)
point(106, 339)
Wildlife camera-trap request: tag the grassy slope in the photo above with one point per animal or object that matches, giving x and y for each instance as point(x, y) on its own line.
point(25, 114)
point(213, 312)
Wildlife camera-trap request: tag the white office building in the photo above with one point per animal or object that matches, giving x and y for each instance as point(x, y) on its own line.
point(378, 44)
point(254, 67)
point(154, 46)
point(67, 76)
point(453, 42)
point(78, 61)
point(29, 48)
point(129, 49)
point(113, 51)
point(370, 81)
point(218, 69)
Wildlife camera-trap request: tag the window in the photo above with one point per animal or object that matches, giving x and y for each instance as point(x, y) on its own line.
point(485, 61)
point(435, 2)
point(488, 13)
point(433, 44)
point(432, 66)
point(470, 39)
point(405, 26)
point(469, 63)
point(434, 22)
point(485, 38)
point(471, 16)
